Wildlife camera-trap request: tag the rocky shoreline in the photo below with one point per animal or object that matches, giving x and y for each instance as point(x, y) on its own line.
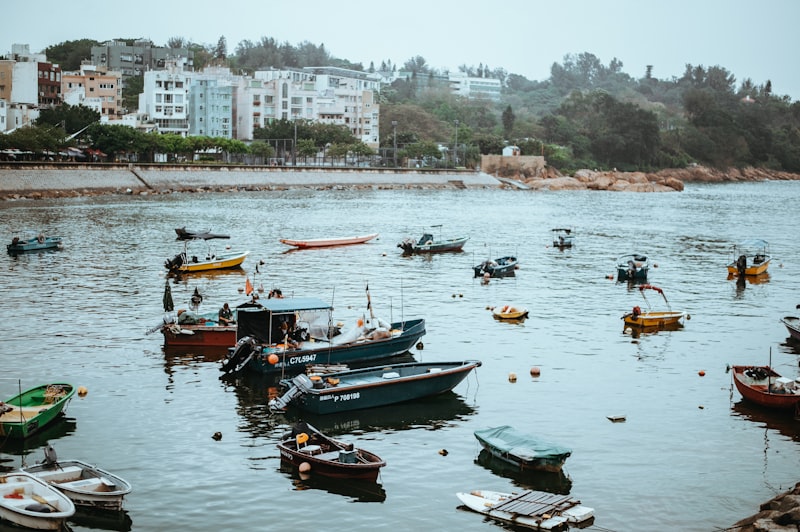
point(37, 180)
point(779, 514)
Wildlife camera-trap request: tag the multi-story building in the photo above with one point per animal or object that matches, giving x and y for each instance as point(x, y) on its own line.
point(94, 87)
point(165, 99)
point(136, 59)
point(323, 94)
point(211, 103)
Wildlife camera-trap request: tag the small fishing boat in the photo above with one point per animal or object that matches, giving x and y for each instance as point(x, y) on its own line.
point(563, 237)
point(312, 336)
point(371, 387)
point(750, 258)
point(633, 267)
point(190, 234)
point(538, 510)
point(651, 319)
point(328, 242)
point(427, 243)
point(183, 262)
point(764, 386)
point(34, 242)
point(29, 412)
point(792, 324)
point(328, 457)
point(510, 312)
point(32, 503)
point(86, 485)
point(501, 267)
point(523, 450)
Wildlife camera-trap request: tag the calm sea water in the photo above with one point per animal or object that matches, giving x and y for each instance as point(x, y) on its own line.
point(690, 455)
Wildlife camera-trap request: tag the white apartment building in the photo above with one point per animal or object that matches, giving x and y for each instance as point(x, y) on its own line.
point(165, 100)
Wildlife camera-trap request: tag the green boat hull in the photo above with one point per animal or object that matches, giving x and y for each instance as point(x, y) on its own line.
point(27, 413)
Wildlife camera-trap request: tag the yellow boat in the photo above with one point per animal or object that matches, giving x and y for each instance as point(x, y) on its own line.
point(750, 258)
point(649, 319)
point(509, 312)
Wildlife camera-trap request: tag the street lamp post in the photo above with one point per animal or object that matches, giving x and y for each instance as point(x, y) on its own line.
point(455, 160)
point(394, 138)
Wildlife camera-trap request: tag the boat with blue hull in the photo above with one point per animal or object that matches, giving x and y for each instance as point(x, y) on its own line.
point(371, 387)
point(286, 335)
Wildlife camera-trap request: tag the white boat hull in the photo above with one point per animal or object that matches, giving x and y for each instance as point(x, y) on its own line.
point(18, 494)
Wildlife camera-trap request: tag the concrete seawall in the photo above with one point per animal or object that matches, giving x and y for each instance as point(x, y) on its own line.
point(21, 179)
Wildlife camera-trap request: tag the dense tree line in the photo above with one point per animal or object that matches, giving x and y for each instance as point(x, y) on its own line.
point(586, 114)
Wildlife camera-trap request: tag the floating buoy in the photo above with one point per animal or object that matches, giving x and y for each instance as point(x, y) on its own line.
point(305, 467)
point(420, 346)
point(512, 377)
point(535, 371)
point(701, 373)
point(217, 436)
point(82, 391)
point(443, 452)
point(273, 359)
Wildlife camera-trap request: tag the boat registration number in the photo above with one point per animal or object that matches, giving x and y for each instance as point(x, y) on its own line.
point(303, 359)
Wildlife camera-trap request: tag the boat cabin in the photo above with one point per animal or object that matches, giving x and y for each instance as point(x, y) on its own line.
point(304, 318)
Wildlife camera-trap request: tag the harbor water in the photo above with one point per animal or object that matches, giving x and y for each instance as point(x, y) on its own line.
point(689, 455)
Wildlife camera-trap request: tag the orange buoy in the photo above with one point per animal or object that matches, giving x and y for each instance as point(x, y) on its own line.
point(701, 373)
point(512, 377)
point(273, 359)
point(535, 371)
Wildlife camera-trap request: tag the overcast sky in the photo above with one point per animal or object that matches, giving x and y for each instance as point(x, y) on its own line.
point(751, 39)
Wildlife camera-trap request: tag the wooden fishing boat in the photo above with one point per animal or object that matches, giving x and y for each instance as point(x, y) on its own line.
point(29, 412)
point(85, 484)
point(650, 319)
point(34, 242)
point(510, 312)
point(311, 338)
point(501, 267)
point(327, 456)
point(328, 242)
point(792, 324)
point(371, 387)
point(427, 243)
point(30, 502)
point(525, 451)
point(563, 237)
point(764, 386)
point(632, 267)
point(750, 258)
point(533, 509)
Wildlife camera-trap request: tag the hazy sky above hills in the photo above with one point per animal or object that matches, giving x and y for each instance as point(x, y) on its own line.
point(756, 40)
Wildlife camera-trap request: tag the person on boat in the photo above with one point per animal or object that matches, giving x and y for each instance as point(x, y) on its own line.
point(226, 315)
point(287, 334)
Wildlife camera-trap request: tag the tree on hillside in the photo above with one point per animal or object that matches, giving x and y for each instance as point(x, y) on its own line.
point(508, 121)
point(69, 54)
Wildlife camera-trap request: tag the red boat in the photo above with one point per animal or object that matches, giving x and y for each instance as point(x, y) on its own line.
point(765, 387)
point(325, 456)
point(199, 335)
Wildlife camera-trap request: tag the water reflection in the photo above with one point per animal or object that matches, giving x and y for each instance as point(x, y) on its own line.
point(357, 491)
point(61, 427)
point(782, 421)
point(102, 519)
point(553, 482)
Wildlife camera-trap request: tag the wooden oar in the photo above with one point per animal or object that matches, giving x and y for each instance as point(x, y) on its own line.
point(40, 499)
